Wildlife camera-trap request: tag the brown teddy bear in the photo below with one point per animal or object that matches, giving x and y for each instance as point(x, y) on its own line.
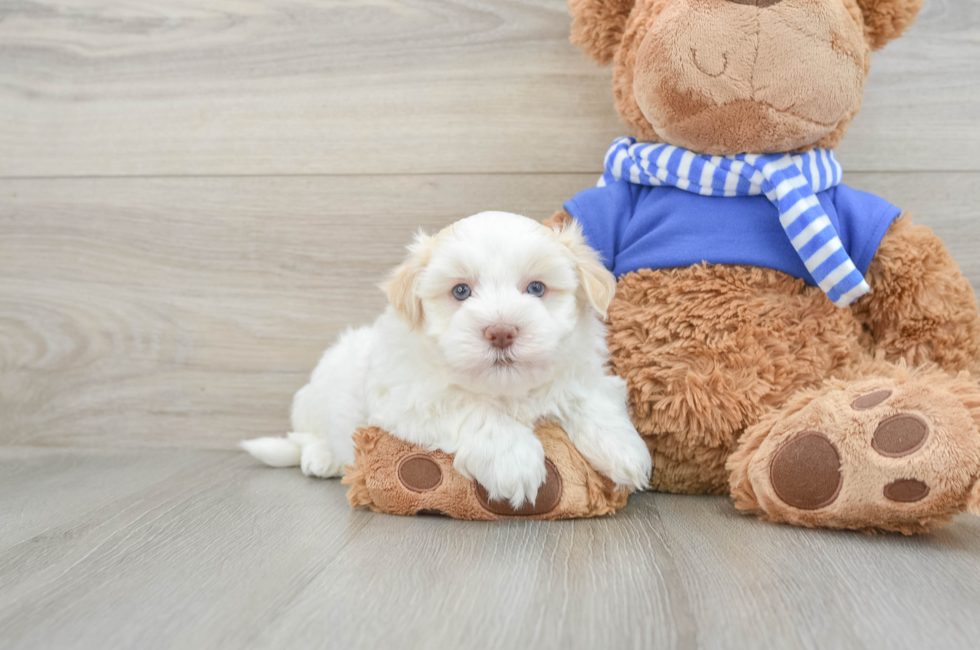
point(786, 339)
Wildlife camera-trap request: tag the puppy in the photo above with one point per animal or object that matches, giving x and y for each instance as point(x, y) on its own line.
point(493, 324)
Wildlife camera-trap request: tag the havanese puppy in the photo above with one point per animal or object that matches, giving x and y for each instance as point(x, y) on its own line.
point(494, 324)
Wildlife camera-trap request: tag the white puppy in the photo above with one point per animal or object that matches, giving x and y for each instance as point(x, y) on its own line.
point(494, 324)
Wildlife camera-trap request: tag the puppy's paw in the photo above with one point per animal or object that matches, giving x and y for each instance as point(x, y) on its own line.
point(631, 468)
point(509, 467)
point(318, 460)
point(615, 450)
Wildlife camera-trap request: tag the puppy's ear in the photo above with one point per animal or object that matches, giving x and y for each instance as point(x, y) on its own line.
point(558, 220)
point(598, 284)
point(597, 26)
point(402, 285)
point(886, 20)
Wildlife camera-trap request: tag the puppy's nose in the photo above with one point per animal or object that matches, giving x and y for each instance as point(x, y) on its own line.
point(500, 336)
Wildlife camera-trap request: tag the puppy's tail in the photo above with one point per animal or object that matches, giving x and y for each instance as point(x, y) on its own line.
point(276, 452)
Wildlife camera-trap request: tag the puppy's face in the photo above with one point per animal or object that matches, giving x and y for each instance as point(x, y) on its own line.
point(500, 295)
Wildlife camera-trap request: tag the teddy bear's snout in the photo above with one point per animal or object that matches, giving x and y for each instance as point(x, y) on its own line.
point(733, 76)
point(762, 4)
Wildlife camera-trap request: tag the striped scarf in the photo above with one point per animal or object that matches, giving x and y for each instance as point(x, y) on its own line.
point(790, 182)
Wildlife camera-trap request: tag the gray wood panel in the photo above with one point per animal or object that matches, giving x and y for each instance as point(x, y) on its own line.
point(217, 552)
point(126, 87)
point(186, 312)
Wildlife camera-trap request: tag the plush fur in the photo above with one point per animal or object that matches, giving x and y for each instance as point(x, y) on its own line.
point(744, 380)
point(947, 463)
point(728, 77)
point(435, 372)
point(375, 483)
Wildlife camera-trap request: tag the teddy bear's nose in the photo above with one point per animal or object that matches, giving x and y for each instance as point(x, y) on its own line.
point(761, 4)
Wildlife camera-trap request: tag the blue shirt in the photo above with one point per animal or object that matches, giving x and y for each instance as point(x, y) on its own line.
point(641, 227)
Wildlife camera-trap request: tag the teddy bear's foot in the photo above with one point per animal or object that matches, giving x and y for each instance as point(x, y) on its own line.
point(898, 454)
point(392, 476)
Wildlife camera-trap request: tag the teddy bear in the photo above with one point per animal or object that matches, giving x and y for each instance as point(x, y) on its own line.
point(789, 341)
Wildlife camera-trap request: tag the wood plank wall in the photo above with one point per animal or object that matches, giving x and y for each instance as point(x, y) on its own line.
point(195, 198)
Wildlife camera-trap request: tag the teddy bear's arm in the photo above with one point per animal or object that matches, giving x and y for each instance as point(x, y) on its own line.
point(921, 308)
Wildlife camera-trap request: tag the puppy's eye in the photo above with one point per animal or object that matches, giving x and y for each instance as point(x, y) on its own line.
point(536, 289)
point(461, 292)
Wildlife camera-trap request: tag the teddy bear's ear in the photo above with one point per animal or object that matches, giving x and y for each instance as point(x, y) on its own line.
point(886, 20)
point(597, 26)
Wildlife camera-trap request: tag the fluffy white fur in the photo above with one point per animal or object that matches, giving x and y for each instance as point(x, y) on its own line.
point(426, 372)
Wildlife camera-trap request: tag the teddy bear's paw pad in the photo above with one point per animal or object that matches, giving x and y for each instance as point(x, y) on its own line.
point(871, 400)
point(900, 435)
point(419, 473)
point(430, 512)
point(906, 490)
point(549, 495)
point(806, 472)
point(897, 436)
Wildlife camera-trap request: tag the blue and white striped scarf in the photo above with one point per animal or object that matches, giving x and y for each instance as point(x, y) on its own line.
point(791, 182)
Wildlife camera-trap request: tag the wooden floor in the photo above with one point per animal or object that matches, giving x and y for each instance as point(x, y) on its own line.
point(196, 197)
point(205, 549)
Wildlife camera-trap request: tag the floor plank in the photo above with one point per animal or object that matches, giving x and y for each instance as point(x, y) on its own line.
point(219, 552)
point(126, 87)
point(74, 483)
point(186, 312)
